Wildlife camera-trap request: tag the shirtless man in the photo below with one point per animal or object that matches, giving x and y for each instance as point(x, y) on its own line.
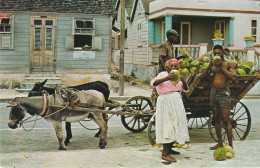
point(220, 95)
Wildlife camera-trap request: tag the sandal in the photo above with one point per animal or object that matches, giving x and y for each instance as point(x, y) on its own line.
point(169, 158)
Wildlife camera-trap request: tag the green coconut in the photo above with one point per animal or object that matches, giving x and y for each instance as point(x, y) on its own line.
point(245, 67)
point(240, 71)
point(185, 70)
point(202, 69)
point(176, 75)
point(219, 154)
point(215, 60)
point(184, 64)
point(248, 63)
point(206, 64)
point(229, 151)
point(192, 69)
point(205, 59)
point(194, 63)
point(188, 59)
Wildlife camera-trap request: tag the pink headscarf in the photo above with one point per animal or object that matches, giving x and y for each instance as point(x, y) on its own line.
point(172, 61)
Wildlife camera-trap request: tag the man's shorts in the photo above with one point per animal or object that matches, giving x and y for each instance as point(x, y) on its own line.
point(220, 97)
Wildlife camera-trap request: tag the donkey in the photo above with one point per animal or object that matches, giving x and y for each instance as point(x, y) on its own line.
point(37, 106)
point(97, 85)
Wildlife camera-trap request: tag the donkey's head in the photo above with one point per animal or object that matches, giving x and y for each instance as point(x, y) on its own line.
point(37, 89)
point(17, 113)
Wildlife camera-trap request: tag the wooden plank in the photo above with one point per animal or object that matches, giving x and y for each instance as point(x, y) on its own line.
point(81, 109)
point(249, 86)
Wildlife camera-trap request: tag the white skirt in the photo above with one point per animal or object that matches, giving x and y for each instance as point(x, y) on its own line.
point(171, 121)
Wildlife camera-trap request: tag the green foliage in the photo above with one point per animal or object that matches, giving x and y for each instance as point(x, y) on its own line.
point(249, 38)
point(217, 34)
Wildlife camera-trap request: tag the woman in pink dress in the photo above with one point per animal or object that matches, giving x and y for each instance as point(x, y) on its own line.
point(171, 122)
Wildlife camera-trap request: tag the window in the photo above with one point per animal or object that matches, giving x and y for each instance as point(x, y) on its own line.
point(6, 32)
point(83, 33)
point(253, 28)
point(139, 34)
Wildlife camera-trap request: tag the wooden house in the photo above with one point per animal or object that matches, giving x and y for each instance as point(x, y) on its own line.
point(68, 38)
point(136, 36)
point(196, 21)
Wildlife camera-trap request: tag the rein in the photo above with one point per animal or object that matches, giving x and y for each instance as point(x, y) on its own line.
point(45, 112)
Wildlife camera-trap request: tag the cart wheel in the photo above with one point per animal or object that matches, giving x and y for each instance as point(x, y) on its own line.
point(197, 122)
point(151, 131)
point(137, 124)
point(240, 121)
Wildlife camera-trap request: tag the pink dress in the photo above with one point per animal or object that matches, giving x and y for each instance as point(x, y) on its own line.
point(171, 122)
point(167, 86)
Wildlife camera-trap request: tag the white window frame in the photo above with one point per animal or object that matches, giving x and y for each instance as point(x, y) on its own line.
point(252, 27)
point(189, 32)
point(7, 35)
point(83, 31)
point(139, 34)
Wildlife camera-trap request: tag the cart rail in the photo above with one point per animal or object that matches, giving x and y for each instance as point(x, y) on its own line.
point(126, 110)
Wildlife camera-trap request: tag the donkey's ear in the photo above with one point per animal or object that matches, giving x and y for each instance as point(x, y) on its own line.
point(12, 104)
point(43, 83)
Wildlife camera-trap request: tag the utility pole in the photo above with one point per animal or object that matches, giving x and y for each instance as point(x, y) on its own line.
point(122, 47)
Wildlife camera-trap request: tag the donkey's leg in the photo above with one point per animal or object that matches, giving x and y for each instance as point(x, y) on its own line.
point(98, 118)
point(58, 129)
point(105, 116)
point(68, 133)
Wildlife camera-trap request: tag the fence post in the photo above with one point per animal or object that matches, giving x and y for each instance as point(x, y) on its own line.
point(203, 49)
point(257, 47)
point(250, 56)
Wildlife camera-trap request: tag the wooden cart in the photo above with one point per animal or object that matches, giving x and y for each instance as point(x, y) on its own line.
point(196, 103)
point(135, 113)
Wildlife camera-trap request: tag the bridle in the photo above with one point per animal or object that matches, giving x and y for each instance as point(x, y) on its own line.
point(44, 113)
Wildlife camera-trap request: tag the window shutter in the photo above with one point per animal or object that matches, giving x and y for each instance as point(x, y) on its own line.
point(6, 41)
point(97, 43)
point(70, 42)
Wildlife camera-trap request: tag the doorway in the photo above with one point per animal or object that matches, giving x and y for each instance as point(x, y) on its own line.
point(42, 44)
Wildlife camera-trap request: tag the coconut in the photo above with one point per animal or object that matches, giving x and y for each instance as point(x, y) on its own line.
point(219, 154)
point(202, 69)
point(240, 71)
point(192, 69)
point(184, 64)
point(229, 151)
point(205, 65)
point(205, 59)
point(194, 63)
point(245, 67)
point(185, 70)
point(176, 75)
point(248, 63)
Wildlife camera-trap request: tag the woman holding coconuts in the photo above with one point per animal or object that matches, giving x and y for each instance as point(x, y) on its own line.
point(171, 122)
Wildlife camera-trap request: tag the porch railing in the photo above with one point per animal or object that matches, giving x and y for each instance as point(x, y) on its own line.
point(241, 55)
point(180, 50)
point(257, 60)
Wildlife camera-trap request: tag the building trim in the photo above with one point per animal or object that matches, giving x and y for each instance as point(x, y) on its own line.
point(205, 10)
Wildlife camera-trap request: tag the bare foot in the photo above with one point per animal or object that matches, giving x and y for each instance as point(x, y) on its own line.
point(215, 147)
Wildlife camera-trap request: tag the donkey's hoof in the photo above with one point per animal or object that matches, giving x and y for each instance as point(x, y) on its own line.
point(62, 148)
point(67, 142)
point(102, 145)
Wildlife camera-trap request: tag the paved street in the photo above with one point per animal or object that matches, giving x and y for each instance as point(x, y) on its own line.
point(38, 148)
